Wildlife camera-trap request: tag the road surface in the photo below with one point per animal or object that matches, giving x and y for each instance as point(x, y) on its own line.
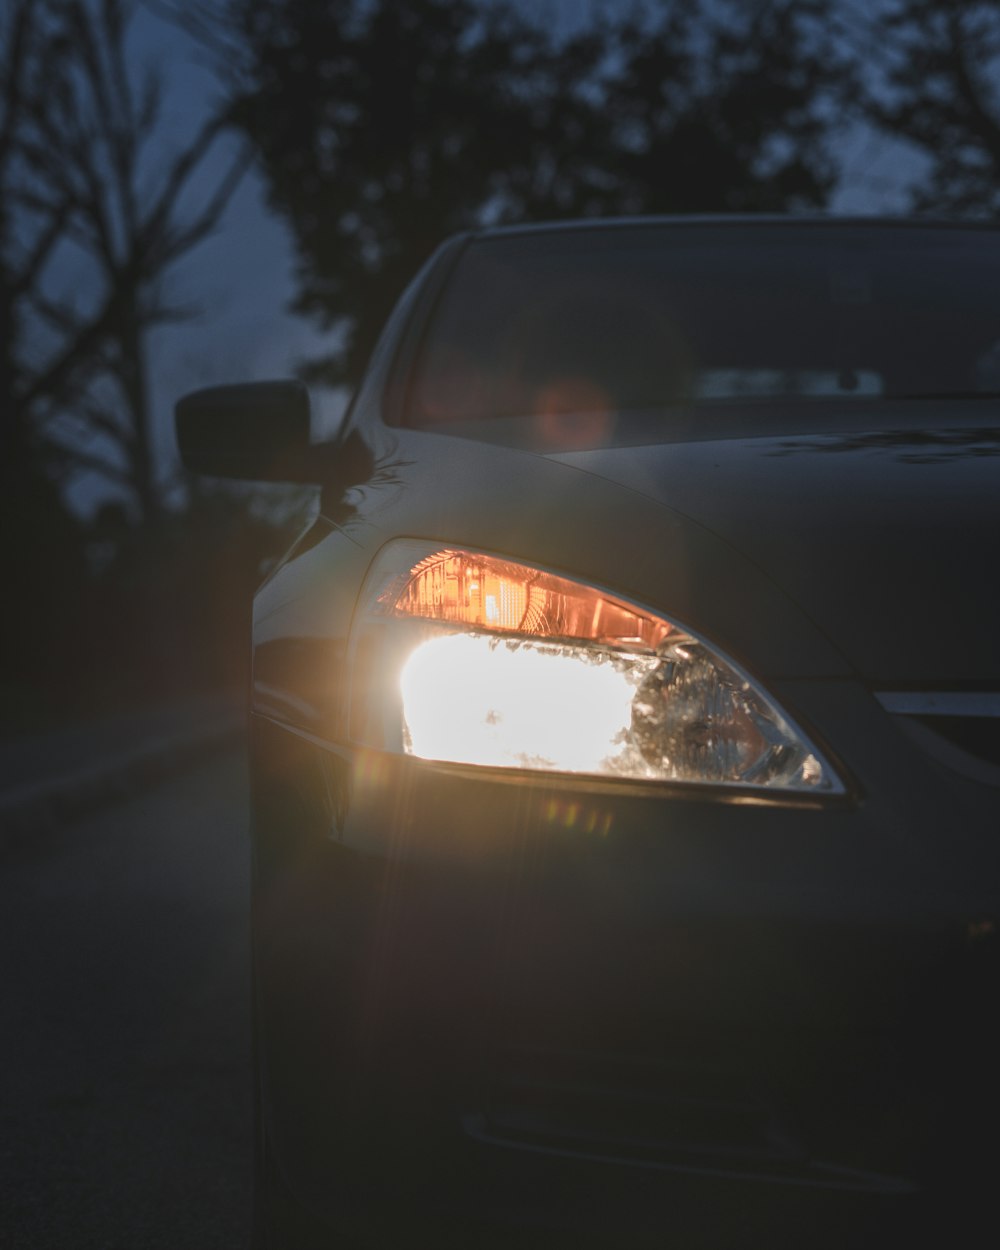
point(125, 1117)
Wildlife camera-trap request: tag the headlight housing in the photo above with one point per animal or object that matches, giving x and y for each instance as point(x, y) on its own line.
point(471, 658)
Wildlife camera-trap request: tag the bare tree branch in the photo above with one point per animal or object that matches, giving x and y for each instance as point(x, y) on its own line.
point(13, 69)
point(210, 25)
point(926, 75)
point(38, 252)
point(80, 122)
point(170, 246)
point(70, 460)
point(969, 90)
point(158, 216)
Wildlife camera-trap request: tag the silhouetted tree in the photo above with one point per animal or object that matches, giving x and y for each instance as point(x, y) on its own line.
point(32, 224)
point(929, 73)
point(42, 548)
point(94, 180)
point(724, 107)
point(384, 125)
point(96, 206)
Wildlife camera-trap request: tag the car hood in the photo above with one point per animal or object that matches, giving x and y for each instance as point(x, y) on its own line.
point(889, 539)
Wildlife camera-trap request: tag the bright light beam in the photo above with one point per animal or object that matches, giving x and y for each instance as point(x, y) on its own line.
point(474, 700)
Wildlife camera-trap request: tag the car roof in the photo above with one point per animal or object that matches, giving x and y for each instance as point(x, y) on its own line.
point(748, 220)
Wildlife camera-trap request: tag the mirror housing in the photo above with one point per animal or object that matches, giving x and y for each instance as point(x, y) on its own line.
point(254, 430)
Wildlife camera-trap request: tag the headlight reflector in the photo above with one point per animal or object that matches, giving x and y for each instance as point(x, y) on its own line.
point(471, 658)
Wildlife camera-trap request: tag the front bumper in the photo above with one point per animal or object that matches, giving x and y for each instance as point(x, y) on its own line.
point(573, 1005)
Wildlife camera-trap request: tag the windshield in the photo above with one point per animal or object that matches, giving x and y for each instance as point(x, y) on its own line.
point(591, 323)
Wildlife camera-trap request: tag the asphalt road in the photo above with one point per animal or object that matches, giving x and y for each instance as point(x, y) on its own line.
point(125, 1110)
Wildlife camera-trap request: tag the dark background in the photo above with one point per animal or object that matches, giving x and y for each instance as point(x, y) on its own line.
point(201, 193)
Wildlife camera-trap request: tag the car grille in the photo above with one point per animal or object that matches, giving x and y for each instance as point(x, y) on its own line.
point(959, 729)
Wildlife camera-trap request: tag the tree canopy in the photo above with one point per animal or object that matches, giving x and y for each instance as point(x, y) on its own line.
point(927, 72)
point(384, 125)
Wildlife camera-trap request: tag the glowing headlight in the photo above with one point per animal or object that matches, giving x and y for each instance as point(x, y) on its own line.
point(470, 658)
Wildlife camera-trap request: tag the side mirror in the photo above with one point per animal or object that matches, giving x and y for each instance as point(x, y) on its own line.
point(256, 430)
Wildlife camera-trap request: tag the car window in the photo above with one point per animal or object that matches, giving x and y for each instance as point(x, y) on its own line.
point(565, 323)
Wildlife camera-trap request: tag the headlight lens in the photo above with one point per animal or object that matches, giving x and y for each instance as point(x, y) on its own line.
point(467, 657)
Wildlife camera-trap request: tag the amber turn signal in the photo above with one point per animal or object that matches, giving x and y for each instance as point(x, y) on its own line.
point(488, 593)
